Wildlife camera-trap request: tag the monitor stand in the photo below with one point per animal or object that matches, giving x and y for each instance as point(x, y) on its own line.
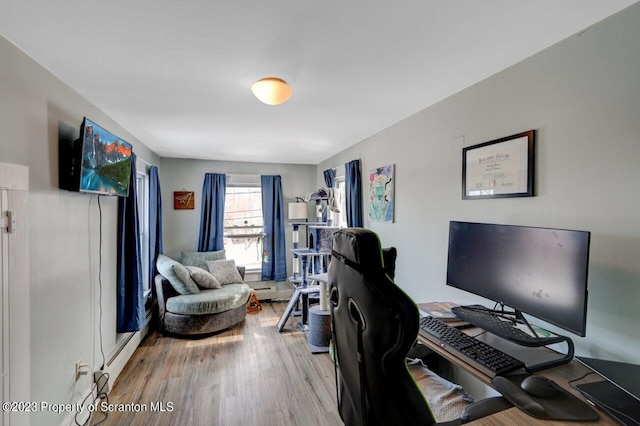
point(493, 321)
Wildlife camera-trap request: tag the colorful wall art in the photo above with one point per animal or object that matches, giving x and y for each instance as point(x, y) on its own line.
point(381, 194)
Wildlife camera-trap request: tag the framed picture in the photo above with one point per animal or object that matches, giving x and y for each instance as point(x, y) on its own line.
point(500, 168)
point(381, 194)
point(183, 200)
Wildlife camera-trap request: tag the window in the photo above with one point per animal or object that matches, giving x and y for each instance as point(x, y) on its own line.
point(142, 188)
point(340, 219)
point(243, 224)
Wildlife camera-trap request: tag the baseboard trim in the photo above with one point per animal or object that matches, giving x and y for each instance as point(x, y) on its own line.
point(116, 363)
point(125, 350)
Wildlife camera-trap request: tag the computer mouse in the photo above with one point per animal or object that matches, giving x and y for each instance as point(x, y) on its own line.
point(540, 386)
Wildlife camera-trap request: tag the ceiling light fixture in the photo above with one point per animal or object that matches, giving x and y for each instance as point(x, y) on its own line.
point(271, 90)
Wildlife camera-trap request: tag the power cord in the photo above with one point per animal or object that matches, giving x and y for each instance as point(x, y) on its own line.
point(101, 384)
point(572, 381)
point(102, 390)
point(100, 284)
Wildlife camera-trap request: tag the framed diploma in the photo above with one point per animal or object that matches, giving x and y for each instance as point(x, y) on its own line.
point(500, 168)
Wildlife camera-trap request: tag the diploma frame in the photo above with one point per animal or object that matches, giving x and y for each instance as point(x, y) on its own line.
point(501, 168)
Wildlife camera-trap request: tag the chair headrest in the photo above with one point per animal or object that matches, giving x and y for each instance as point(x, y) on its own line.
point(353, 246)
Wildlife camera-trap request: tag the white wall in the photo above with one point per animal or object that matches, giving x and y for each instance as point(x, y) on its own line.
point(181, 227)
point(583, 98)
point(36, 109)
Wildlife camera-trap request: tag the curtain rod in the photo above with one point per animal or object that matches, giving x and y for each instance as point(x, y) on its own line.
point(337, 167)
point(341, 166)
point(144, 161)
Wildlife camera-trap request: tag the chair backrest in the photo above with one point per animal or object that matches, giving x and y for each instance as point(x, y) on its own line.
point(389, 256)
point(374, 325)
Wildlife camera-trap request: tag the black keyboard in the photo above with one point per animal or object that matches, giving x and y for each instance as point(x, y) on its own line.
point(480, 355)
point(499, 326)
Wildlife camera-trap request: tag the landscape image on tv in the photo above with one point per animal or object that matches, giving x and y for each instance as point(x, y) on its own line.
point(106, 161)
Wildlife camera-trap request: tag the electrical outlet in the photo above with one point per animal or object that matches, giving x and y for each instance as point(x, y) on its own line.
point(78, 369)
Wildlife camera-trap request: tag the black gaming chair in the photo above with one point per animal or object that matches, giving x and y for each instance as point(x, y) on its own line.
point(374, 325)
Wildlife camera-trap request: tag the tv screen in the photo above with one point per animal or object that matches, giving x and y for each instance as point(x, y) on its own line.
point(538, 271)
point(105, 162)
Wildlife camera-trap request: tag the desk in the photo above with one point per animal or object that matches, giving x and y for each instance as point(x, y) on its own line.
point(561, 375)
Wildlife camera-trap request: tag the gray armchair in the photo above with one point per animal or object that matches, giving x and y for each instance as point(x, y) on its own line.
point(208, 312)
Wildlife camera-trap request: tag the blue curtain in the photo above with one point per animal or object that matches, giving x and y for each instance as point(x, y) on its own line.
point(155, 222)
point(212, 214)
point(130, 294)
point(329, 177)
point(274, 262)
point(353, 194)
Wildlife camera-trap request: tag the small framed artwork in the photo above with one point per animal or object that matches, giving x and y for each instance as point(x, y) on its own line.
point(500, 168)
point(381, 194)
point(183, 200)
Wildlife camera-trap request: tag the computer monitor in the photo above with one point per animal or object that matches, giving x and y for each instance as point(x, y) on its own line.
point(538, 271)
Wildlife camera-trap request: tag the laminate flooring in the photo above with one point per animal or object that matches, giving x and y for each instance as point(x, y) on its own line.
point(249, 375)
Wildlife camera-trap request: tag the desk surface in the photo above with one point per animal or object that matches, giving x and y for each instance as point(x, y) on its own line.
point(561, 375)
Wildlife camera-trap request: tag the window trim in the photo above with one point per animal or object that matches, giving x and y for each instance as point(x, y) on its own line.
point(246, 181)
point(340, 219)
point(142, 180)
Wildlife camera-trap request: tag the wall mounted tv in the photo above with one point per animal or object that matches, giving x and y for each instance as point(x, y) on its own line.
point(98, 162)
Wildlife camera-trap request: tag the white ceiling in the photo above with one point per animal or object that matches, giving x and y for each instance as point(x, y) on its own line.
point(177, 74)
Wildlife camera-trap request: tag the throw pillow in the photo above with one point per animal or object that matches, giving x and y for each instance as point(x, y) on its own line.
point(203, 278)
point(225, 271)
point(177, 275)
point(199, 258)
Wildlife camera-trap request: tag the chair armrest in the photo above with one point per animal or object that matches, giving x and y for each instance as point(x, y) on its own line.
point(164, 290)
point(484, 407)
point(242, 270)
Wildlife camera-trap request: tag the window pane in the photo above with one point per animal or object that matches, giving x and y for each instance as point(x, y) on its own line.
point(243, 226)
point(142, 189)
point(341, 218)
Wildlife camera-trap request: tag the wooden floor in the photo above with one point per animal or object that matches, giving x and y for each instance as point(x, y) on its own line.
point(250, 375)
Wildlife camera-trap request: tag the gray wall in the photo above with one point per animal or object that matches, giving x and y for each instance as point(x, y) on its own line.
point(582, 95)
point(583, 98)
point(181, 227)
point(35, 107)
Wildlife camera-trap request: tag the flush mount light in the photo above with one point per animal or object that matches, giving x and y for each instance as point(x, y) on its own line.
point(271, 90)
